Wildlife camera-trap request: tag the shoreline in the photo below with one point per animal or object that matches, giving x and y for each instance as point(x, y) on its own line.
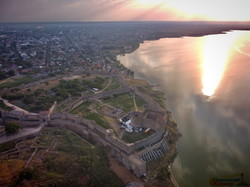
point(151, 101)
point(176, 136)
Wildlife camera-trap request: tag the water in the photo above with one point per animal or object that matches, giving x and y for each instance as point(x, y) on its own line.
point(207, 84)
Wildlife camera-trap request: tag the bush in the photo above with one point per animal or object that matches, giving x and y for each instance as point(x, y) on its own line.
point(12, 128)
point(27, 174)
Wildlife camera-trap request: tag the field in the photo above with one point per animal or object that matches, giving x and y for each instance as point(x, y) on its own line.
point(133, 137)
point(17, 82)
point(88, 111)
point(157, 96)
point(62, 159)
point(113, 84)
point(6, 146)
point(41, 96)
point(41, 99)
point(125, 101)
point(4, 107)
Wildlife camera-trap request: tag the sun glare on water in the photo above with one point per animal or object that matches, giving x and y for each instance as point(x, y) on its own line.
point(215, 57)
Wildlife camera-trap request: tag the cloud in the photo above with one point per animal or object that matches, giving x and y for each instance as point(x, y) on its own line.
point(119, 10)
point(55, 10)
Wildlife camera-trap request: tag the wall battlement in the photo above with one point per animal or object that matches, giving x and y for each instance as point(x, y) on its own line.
point(153, 146)
point(23, 118)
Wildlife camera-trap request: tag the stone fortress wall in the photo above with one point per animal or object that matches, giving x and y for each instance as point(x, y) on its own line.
point(23, 118)
point(151, 147)
point(133, 156)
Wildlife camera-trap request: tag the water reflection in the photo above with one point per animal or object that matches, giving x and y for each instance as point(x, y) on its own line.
point(215, 139)
point(216, 53)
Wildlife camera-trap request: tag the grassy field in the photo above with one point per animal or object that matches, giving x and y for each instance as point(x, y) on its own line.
point(100, 120)
point(114, 84)
point(4, 107)
point(41, 100)
point(6, 146)
point(125, 102)
point(78, 160)
point(133, 137)
point(81, 108)
point(97, 82)
point(88, 114)
point(17, 82)
point(71, 162)
point(157, 96)
point(139, 101)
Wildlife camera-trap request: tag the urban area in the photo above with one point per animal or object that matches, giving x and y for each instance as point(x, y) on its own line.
point(73, 115)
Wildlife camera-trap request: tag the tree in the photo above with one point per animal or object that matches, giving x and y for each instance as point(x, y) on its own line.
point(2, 75)
point(12, 128)
point(11, 72)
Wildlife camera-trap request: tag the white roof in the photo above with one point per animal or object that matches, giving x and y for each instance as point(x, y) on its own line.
point(128, 122)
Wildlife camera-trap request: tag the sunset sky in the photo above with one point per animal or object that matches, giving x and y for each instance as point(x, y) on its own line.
point(123, 10)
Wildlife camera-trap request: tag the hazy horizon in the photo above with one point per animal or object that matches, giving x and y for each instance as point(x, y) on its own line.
point(122, 10)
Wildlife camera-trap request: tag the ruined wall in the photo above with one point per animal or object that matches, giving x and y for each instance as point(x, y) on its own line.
point(77, 103)
point(123, 152)
point(24, 119)
point(110, 137)
point(90, 130)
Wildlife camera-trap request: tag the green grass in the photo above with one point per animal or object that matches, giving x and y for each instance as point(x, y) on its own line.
point(100, 120)
point(139, 101)
point(157, 96)
point(18, 82)
point(48, 136)
point(81, 108)
point(4, 107)
point(133, 137)
point(73, 160)
point(6, 146)
point(123, 101)
point(97, 82)
point(41, 100)
point(88, 114)
point(70, 143)
point(114, 84)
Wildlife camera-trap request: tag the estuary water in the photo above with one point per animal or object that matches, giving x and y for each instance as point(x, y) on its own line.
point(207, 85)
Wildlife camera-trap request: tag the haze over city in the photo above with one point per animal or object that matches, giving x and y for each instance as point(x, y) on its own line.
point(123, 10)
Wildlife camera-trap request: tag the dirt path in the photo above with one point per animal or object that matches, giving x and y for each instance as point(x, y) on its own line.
point(136, 109)
point(4, 80)
point(110, 80)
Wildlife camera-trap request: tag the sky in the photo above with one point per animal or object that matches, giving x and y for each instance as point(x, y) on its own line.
point(123, 10)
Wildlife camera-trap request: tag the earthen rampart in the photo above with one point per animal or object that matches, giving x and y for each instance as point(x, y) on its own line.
point(23, 118)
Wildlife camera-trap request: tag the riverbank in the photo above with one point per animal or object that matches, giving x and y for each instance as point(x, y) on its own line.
point(174, 64)
point(151, 116)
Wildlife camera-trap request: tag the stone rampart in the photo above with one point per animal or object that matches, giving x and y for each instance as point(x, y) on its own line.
point(146, 142)
point(90, 130)
point(24, 119)
point(77, 103)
